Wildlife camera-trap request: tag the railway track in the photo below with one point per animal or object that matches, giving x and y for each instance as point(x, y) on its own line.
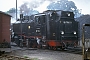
point(73, 50)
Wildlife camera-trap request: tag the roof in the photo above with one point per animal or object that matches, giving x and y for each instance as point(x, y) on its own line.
point(84, 19)
point(5, 13)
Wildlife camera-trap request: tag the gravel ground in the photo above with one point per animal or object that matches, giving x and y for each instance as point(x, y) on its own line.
point(39, 54)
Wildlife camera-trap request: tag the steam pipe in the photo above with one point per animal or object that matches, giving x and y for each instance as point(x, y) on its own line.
point(21, 18)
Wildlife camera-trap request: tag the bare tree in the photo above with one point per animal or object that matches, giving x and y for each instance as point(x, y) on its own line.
point(64, 5)
point(12, 12)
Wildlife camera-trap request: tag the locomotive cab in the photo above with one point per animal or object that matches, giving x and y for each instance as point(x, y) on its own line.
point(40, 27)
point(40, 24)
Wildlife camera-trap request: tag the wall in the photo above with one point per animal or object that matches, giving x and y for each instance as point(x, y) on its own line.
point(0, 27)
point(4, 27)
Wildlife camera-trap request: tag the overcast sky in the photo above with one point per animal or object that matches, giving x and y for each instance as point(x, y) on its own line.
point(5, 5)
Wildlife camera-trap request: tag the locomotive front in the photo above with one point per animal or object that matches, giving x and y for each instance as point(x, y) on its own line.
point(68, 29)
point(62, 29)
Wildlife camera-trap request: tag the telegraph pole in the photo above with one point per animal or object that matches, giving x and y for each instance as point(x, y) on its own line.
point(16, 10)
point(21, 18)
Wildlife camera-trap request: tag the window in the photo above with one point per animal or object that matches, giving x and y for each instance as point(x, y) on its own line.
point(37, 31)
point(37, 19)
point(67, 22)
point(54, 16)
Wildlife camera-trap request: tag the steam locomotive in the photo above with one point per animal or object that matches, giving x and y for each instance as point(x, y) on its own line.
point(54, 28)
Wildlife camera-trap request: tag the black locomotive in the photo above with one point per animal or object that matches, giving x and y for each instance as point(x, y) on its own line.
point(54, 28)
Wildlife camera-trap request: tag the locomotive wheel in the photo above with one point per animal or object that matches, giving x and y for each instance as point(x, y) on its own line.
point(33, 46)
point(38, 46)
point(54, 48)
point(62, 48)
point(50, 48)
point(44, 47)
